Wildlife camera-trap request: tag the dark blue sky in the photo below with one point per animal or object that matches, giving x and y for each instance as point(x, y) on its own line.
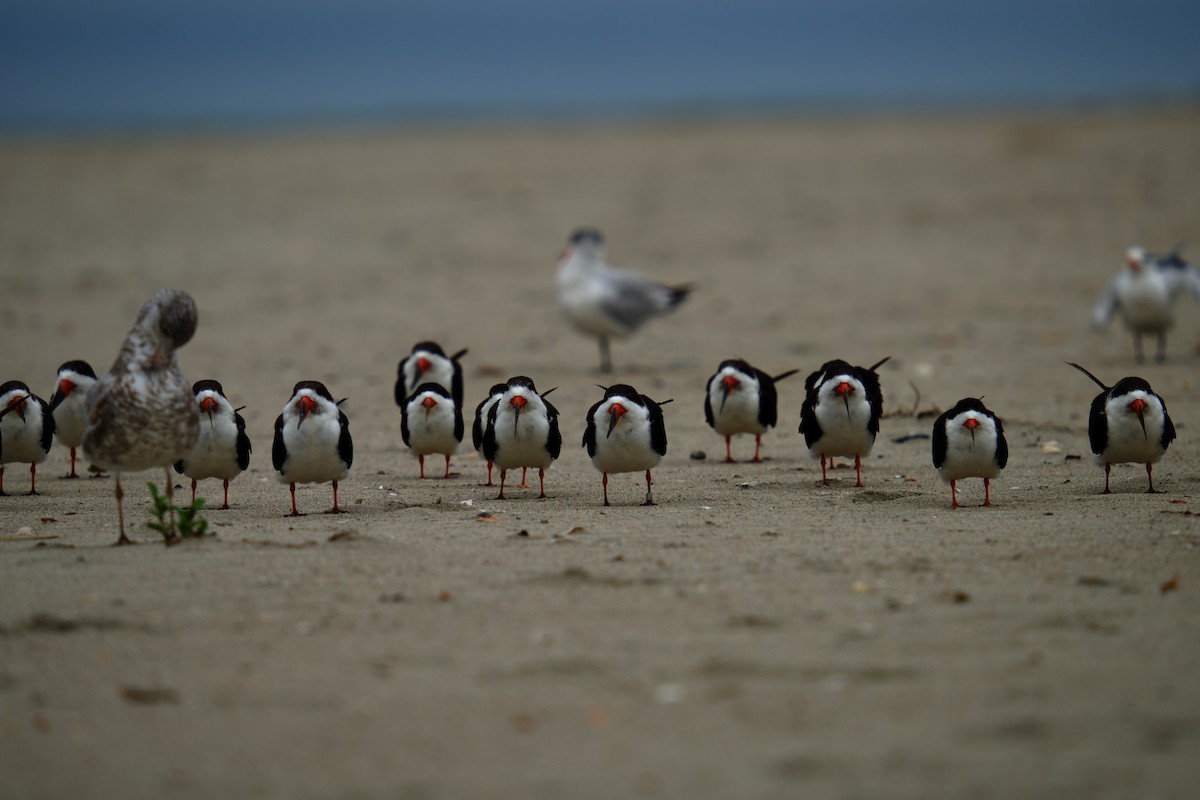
point(91, 64)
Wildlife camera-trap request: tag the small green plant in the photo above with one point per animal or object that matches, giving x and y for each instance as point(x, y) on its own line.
point(191, 523)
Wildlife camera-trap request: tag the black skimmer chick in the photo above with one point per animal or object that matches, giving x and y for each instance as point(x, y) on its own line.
point(223, 449)
point(840, 413)
point(1128, 423)
point(968, 442)
point(312, 441)
point(605, 301)
point(432, 423)
point(742, 399)
point(68, 404)
point(26, 430)
point(522, 431)
point(1144, 292)
point(141, 413)
point(635, 436)
point(428, 363)
point(481, 414)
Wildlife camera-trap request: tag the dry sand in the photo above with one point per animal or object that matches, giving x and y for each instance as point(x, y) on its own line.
point(755, 634)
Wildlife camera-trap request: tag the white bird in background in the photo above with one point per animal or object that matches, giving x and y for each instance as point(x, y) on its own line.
point(1144, 293)
point(605, 301)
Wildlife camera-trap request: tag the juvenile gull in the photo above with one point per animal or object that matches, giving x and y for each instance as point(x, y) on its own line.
point(142, 414)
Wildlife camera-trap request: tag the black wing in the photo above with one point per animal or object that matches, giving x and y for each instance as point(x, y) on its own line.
point(456, 387)
point(459, 424)
point(179, 466)
point(870, 381)
point(401, 390)
point(490, 446)
point(1001, 444)
point(708, 410)
point(243, 441)
point(48, 423)
point(278, 449)
point(554, 438)
point(589, 432)
point(1168, 434)
point(768, 399)
point(345, 443)
point(658, 427)
point(808, 418)
point(404, 423)
point(1098, 424)
point(940, 441)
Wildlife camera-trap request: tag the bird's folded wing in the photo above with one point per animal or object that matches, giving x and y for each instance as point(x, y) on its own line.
point(1103, 310)
point(630, 300)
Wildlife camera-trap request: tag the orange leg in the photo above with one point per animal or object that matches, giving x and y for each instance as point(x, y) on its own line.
point(336, 509)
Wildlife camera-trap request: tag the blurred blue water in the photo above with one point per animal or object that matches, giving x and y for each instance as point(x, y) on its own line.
point(80, 65)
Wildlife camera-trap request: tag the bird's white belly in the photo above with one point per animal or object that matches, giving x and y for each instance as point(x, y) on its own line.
point(969, 464)
point(1131, 446)
point(69, 419)
point(312, 455)
point(23, 443)
point(842, 434)
point(624, 451)
point(740, 414)
point(434, 434)
point(526, 447)
point(215, 454)
point(1147, 307)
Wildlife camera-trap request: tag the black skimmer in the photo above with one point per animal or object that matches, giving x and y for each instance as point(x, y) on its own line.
point(312, 441)
point(223, 449)
point(142, 413)
point(428, 363)
point(26, 430)
point(840, 413)
point(605, 301)
point(1144, 293)
point(432, 423)
point(1128, 423)
point(477, 427)
point(68, 404)
point(742, 399)
point(522, 431)
point(968, 442)
point(635, 436)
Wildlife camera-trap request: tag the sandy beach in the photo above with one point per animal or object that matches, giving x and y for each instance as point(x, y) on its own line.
point(755, 634)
